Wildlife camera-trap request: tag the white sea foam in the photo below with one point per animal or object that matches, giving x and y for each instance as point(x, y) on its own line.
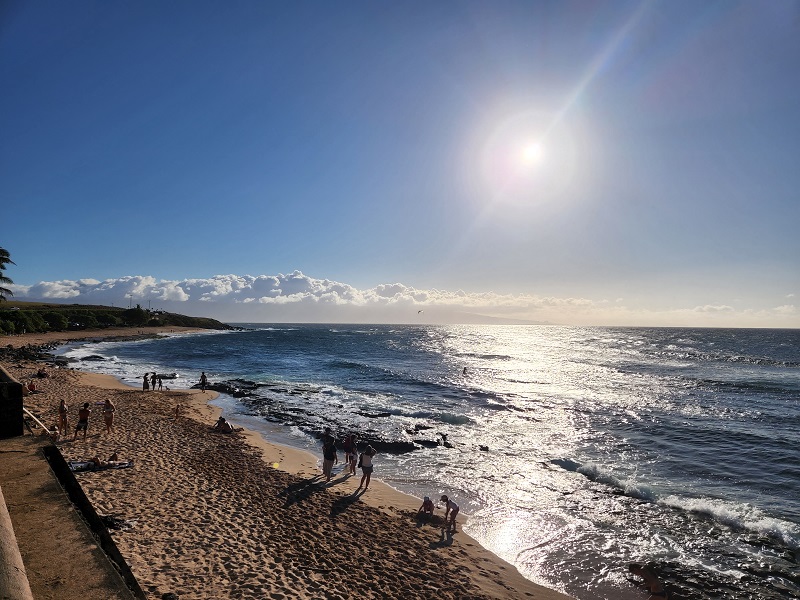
point(740, 516)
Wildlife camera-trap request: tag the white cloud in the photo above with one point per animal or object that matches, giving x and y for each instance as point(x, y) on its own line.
point(786, 309)
point(298, 297)
point(709, 308)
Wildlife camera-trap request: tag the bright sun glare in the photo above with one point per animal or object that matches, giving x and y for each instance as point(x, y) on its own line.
point(529, 157)
point(533, 153)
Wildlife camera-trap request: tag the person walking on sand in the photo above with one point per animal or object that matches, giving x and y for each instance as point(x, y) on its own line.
point(108, 415)
point(83, 421)
point(451, 508)
point(153, 382)
point(365, 462)
point(160, 383)
point(203, 381)
point(146, 382)
point(63, 417)
point(329, 458)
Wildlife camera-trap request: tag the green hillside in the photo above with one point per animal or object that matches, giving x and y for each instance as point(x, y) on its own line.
point(38, 317)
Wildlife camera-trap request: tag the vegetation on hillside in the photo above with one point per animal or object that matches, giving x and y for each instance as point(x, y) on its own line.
point(37, 317)
point(40, 317)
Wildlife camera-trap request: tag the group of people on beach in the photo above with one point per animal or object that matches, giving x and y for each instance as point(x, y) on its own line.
point(353, 459)
point(330, 457)
point(450, 511)
point(150, 381)
point(83, 419)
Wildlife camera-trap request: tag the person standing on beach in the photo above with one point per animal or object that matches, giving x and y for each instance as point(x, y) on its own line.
point(153, 382)
point(329, 458)
point(350, 447)
point(327, 437)
point(83, 421)
point(160, 384)
point(146, 382)
point(108, 415)
point(451, 508)
point(203, 381)
point(63, 414)
point(365, 462)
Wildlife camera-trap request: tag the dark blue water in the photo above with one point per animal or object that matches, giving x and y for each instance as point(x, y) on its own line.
point(600, 445)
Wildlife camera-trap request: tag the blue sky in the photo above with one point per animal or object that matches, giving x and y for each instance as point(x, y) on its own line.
point(572, 162)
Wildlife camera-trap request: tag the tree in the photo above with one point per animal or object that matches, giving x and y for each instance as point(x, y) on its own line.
point(5, 258)
point(135, 316)
point(56, 321)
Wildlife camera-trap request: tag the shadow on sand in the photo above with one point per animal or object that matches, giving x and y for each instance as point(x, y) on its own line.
point(302, 490)
point(445, 539)
point(342, 504)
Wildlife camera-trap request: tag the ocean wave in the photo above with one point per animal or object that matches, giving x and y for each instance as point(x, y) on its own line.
point(444, 417)
point(501, 357)
point(700, 356)
point(748, 386)
point(454, 419)
point(740, 516)
point(596, 474)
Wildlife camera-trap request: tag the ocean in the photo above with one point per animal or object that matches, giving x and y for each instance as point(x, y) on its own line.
point(575, 450)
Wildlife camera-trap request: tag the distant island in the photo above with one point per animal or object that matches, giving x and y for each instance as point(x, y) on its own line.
point(18, 317)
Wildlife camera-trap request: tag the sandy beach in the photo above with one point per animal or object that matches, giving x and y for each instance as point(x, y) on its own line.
point(213, 515)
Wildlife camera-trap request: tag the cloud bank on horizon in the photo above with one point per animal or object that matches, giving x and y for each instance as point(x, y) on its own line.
point(296, 297)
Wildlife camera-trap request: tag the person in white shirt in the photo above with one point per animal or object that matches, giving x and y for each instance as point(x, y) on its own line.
point(450, 508)
point(365, 462)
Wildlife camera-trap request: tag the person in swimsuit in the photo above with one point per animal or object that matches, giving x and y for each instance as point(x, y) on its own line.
point(108, 415)
point(112, 461)
point(83, 421)
point(366, 466)
point(657, 591)
point(63, 414)
point(450, 508)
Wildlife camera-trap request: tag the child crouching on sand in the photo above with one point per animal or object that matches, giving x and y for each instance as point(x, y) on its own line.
point(426, 510)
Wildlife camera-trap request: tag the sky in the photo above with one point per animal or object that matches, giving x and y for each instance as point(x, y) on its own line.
point(573, 162)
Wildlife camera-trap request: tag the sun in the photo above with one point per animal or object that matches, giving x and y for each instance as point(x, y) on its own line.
point(529, 158)
point(532, 153)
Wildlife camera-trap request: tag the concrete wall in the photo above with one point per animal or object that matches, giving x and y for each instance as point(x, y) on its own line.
point(13, 579)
